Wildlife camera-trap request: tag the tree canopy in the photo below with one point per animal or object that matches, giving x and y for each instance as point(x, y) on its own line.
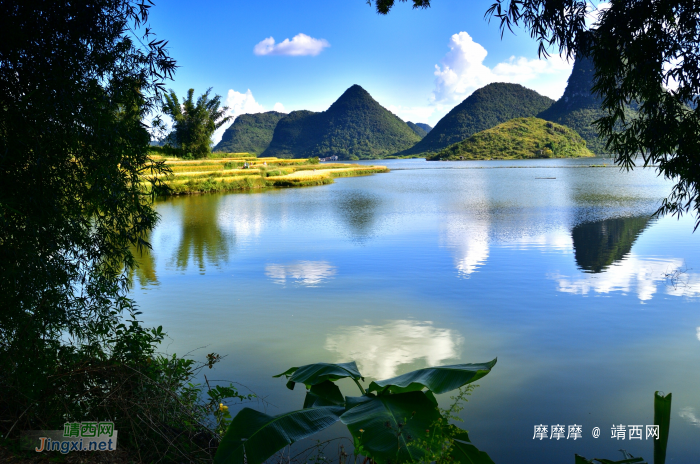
point(643, 51)
point(77, 79)
point(194, 122)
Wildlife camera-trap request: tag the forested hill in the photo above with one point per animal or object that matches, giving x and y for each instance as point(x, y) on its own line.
point(579, 107)
point(521, 138)
point(419, 128)
point(354, 127)
point(485, 108)
point(250, 133)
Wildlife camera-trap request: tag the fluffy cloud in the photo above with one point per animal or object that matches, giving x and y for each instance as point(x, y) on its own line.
point(462, 71)
point(241, 103)
point(300, 45)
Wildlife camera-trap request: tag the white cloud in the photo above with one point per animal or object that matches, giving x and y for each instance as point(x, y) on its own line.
point(593, 13)
point(462, 71)
point(697, 333)
point(300, 45)
point(241, 103)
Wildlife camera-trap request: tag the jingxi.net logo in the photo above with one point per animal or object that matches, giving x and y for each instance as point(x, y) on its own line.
point(75, 436)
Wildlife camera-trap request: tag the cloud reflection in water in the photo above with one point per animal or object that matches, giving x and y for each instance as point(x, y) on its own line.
point(380, 350)
point(633, 274)
point(306, 273)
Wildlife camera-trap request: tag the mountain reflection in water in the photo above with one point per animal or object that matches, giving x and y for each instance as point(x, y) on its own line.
point(380, 350)
point(599, 244)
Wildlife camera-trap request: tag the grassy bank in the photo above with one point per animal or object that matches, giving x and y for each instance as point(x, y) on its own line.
point(241, 172)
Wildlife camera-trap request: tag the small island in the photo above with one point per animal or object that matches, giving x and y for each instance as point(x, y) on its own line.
point(521, 138)
point(245, 171)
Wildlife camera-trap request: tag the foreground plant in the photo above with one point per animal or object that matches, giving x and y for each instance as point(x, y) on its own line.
point(393, 421)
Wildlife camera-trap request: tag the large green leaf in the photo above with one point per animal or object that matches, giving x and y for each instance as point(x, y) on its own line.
point(313, 374)
point(324, 394)
point(254, 436)
point(439, 379)
point(662, 418)
point(384, 426)
point(629, 459)
point(464, 452)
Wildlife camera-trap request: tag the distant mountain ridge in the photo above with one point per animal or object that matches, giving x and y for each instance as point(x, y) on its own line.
point(354, 127)
point(250, 133)
point(419, 128)
point(485, 108)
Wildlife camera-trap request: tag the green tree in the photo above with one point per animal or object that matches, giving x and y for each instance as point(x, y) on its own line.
point(643, 51)
point(77, 79)
point(195, 122)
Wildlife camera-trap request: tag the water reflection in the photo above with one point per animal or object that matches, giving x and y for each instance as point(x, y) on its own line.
point(634, 274)
point(380, 350)
point(358, 210)
point(145, 270)
point(688, 414)
point(470, 240)
point(599, 244)
point(306, 273)
point(202, 240)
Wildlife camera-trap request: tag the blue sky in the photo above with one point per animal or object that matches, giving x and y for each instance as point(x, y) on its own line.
point(417, 63)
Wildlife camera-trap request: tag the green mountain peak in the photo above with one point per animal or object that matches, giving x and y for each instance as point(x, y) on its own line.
point(355, 126)
point(485, 108)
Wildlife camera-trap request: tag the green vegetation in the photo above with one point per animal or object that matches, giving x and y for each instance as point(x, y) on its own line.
point(578, 108)
point(393, 421)
point(354, 127)
point(240, 172)
point(633, 62)
point(76, 82)
point(249, 133)
point(522, 138)
point(484, 109)
point(194, 123)
point(421, 132)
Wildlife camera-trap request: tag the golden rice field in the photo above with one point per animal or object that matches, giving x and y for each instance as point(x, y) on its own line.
point(231, 174)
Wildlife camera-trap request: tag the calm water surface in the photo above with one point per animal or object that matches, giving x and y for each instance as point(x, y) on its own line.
point(558, 271)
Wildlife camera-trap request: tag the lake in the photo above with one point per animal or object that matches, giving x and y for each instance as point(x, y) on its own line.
point(559, 271)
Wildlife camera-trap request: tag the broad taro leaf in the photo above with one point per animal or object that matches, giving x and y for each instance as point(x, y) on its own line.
point(313, 374)
point(438, 379)
point(386, 425)
point(629, 459)
point(464, 452)
point(253, 437)
point(323, 394)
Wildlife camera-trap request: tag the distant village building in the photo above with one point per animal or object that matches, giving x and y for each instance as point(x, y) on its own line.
point(329, 158)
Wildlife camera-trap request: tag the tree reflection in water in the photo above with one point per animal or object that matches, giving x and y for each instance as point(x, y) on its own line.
point(202, 239)
point(359, 211)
